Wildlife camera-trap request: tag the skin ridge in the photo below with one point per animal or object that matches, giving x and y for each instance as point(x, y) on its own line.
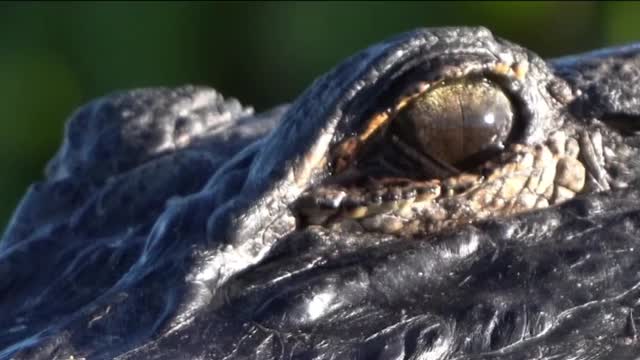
point(175, 238)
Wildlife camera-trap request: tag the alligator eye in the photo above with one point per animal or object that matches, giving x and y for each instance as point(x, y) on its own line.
point(456, 122)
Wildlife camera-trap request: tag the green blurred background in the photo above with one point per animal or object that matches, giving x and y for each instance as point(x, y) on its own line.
point(56, 56)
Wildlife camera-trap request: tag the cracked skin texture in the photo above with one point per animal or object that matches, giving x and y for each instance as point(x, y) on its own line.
point(164, 228)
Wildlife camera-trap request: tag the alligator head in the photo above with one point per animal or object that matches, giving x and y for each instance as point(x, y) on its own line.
point(442, 194)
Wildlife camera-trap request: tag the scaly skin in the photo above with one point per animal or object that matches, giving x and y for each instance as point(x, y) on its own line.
point(169, 223)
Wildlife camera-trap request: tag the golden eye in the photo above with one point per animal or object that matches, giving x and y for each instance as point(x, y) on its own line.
point(456, 122)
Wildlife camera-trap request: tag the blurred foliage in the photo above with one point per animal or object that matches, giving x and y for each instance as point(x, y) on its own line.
point(56, 56)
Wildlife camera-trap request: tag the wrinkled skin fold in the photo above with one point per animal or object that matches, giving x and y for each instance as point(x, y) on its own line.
point(164, 227)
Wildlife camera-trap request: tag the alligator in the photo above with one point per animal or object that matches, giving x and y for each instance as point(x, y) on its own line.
point(443, 194)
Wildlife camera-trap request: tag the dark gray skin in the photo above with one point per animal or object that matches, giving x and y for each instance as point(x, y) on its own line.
point(164, 228)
